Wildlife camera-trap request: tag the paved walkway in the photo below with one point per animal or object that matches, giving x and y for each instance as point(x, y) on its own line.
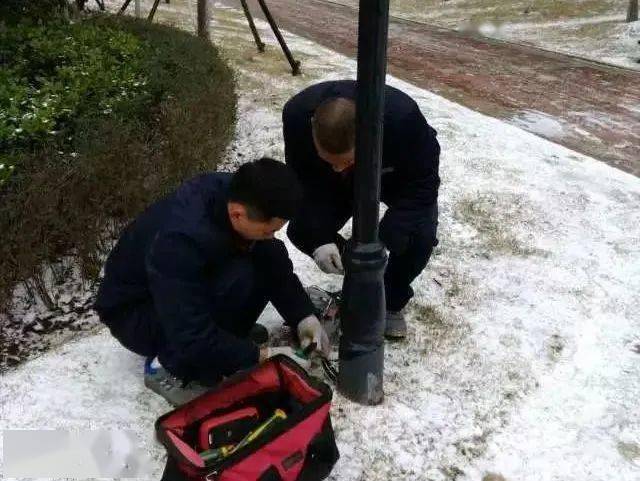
point(589, 107)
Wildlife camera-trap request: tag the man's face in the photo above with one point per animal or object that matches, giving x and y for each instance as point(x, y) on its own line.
point(250, 229)
point(338, 162)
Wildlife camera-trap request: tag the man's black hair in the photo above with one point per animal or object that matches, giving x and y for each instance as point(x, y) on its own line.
point(267, 188)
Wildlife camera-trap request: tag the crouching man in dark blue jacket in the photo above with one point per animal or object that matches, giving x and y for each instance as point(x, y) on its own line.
point(319, 135)
point(189, 277)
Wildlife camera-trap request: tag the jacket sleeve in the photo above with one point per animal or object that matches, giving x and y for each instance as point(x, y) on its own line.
point(417, 169)
point(176, 268)
point(284, 289)
point(323, 211)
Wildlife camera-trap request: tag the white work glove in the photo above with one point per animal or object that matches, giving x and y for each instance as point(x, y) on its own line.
point(290, 353)
point(310, 330)
point(328, 259)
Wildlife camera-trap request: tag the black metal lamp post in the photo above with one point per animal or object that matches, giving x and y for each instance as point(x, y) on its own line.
point(363, 311)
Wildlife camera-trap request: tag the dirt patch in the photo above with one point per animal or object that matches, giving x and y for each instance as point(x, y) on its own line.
point(493, 477)
point(436, 331)
point(629, 451)
point(430, 317)
point(555, 347)
point(491, 218)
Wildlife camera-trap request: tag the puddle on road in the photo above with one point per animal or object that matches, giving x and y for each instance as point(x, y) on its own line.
point(539, 123)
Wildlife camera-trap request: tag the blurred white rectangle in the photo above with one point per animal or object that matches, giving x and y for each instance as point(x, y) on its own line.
point(74, 454)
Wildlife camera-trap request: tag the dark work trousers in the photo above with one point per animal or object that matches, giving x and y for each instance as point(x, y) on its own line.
point(172, 472)
point(237, 300)
point(403, 267)
point(410, 244)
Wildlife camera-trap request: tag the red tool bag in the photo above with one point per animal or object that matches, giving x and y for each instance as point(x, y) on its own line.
point(299, 446)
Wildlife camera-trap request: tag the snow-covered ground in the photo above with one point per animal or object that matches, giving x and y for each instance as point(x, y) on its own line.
point(606, 38)
point(593, 29)
point(523, 356)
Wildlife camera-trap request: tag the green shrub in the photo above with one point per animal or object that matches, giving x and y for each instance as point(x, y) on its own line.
point(135, 109)
point(32, 11)
point(52, 79)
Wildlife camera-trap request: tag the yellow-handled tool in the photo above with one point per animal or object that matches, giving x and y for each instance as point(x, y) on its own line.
point(269, 423)
point(212, 455)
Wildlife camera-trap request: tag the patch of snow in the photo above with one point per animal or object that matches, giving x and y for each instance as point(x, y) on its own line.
point(571, 22)
point(606, 38)
point(539, 123)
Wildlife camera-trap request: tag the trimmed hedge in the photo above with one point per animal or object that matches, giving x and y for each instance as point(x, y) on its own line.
point(138, 108)
point(56, 78)
point(32, 11)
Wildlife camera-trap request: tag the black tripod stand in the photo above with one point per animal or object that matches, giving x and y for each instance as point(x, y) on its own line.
point(295, 64)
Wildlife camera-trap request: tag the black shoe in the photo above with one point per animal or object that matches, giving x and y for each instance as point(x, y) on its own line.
point(396, 325)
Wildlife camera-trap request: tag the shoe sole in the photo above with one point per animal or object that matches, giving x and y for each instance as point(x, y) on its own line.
point(154, 386)
point(395, 337)
point(176, 397)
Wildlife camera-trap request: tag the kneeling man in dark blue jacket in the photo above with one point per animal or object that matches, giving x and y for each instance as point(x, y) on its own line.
point(319, 134)
point(189, 277)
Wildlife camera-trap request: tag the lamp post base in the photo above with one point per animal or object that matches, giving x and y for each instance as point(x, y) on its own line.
point(360, 376)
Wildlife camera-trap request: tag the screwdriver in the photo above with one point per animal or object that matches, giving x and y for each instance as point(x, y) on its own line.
point(277, 415)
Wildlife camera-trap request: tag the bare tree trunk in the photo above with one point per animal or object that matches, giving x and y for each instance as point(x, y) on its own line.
point(632, 13)
point(203, 19)
point(138, 10)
